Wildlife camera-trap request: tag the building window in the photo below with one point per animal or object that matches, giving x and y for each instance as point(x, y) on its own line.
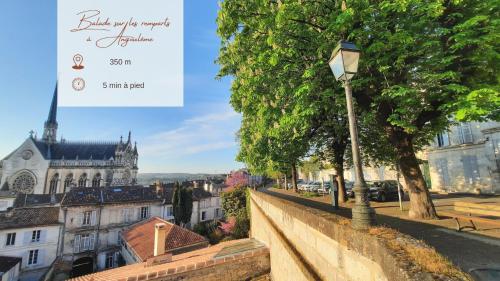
point(217, 212)
point(110, 260)
point(471, 169)
point(127, 215)
point(144, 213)
point(33, 257)
point(170, 211)
point(465, 133)
point(67, 182)
point(96, 182)
point(11, 239)
point(53, 184)
point(443, 139)
point(82, 182)
point(86, 242)
point(35, 236)
point(24, 183)
point(203, 215)
point(87, 218)
point(442, 167)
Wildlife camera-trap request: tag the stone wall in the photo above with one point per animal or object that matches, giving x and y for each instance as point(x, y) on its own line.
point(308, 244)
point(233, 268)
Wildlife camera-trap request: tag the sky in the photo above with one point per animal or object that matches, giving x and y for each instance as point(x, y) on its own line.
point(197, 138)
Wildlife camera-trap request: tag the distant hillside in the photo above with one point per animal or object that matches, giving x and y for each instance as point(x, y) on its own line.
point(149, 178)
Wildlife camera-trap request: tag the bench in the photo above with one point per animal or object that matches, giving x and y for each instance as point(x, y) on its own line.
point(471, 209)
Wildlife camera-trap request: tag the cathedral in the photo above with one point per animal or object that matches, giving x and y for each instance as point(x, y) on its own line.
point(49, 166)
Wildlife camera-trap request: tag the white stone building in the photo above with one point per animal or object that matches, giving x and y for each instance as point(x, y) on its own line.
point(94, 218)
point(46, 165)
point(466, 158)
point(206, 207)
point(31, 234)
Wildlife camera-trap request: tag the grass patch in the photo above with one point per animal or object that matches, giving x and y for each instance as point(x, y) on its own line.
point(309, 194)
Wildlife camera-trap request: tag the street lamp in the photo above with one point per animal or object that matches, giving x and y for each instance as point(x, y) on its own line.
point(344, 65)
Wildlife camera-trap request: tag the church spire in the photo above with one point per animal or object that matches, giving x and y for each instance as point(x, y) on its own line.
point(50, 129)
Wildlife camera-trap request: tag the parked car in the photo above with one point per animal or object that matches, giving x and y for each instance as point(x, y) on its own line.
point(349, 185)
point(325, 188)
point(313, 186)
point(384, 190)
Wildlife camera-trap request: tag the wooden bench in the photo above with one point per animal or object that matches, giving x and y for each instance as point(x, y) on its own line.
point(471, 209)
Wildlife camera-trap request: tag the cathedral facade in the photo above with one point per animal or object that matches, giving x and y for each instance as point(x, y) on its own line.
point(49, 166)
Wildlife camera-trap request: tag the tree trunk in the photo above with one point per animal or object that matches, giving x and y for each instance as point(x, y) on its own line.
point(341, 183)
point(294, 178)
point(286, 182)
point(421, 206)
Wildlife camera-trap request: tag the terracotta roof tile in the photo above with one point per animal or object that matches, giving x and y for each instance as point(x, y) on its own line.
point(208, 256)
point(140, 237)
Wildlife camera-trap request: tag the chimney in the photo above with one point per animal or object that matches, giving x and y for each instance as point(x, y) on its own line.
point(160, 237)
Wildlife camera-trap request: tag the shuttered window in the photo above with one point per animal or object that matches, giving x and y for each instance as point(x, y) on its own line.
point(442, 167)
point(471, 169)
point(465, 133)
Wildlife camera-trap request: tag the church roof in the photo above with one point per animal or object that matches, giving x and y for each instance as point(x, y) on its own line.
point(77, 150)
point(52, 119)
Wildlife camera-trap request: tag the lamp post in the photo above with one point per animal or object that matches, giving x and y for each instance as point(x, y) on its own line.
point(344, 65)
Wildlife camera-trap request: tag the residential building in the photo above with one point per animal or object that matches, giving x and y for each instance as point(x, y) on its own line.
point(9, 268)
point(206, 207)
point(94, 219)
point(157, 237)
point(466, 158)
point(7, 199)
point(48, 165)
point(31, 234)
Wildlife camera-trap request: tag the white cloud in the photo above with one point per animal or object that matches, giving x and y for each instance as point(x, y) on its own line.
point(210, 131)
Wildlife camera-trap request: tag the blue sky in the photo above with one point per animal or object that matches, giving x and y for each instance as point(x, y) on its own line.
point(199, 137)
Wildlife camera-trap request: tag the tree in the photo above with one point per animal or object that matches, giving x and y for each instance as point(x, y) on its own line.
point(233, 202)
point(421, 59)
point(182, 205)
point(237, 179)
point(236, 208)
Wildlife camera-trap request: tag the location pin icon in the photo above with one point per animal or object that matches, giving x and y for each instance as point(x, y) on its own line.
point(78, 60)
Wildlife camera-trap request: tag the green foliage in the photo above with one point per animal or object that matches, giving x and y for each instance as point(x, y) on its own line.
point(422, 63)
point(182, 204)
point(309, 194)
point(311, 165)
point(209, 230)
point(234, 202)
point(242, 226)
point(480, 105)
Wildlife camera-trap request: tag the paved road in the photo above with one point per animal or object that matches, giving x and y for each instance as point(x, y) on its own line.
point(468, 251)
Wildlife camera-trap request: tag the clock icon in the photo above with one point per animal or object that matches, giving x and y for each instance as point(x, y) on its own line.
point(78, 84)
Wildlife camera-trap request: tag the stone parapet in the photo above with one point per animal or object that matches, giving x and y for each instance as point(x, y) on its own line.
point(309, 244)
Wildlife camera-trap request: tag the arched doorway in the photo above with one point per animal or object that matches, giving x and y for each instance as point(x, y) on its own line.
point(82, 266)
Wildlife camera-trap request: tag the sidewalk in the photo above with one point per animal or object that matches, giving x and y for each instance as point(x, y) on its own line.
point(468, 250)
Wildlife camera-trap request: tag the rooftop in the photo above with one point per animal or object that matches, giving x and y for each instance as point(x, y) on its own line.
point(200, 193)
point(141, 237)
point(6, 263)
point(28, 217)
point(110, 195)
point(236, 250)
point(36, 200)
point(77, 150)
